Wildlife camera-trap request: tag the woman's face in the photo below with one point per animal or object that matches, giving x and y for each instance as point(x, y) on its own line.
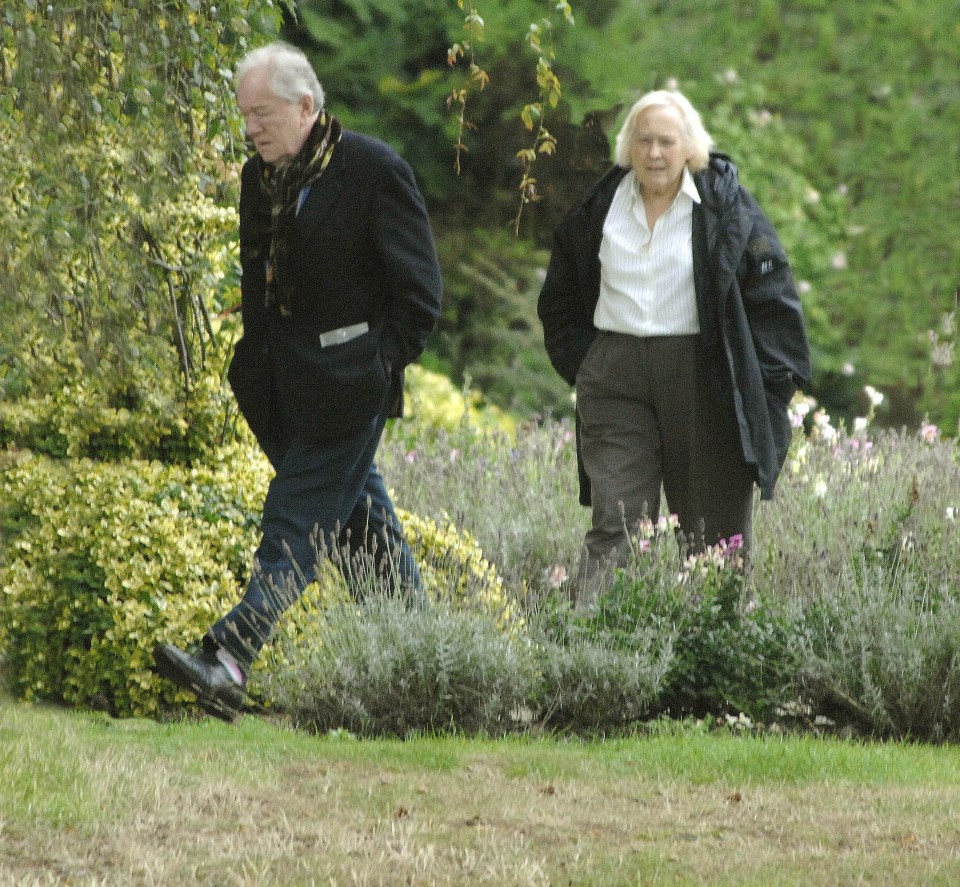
point(659, 151)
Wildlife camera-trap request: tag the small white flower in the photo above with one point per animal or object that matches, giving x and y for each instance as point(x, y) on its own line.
point(876, 397)
point(860, 423)
point(848, 369)
point(824, 428)
point(951, 513)
point(820, 489)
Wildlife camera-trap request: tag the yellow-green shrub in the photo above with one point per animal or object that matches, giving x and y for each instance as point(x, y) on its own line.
point(104, 560)
point(145, 415)
point(437, 403)
point(109, 558)
point(454, 568)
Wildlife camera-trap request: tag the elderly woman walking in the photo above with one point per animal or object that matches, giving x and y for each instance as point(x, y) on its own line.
point(669, 303)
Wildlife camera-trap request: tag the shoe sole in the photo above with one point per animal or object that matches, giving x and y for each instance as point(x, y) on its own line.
point(170, 669)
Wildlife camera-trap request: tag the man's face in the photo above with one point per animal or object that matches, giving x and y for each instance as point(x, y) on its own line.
point(277, 128)
point(659, 151)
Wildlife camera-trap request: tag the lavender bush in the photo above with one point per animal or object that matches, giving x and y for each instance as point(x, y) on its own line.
point(849, 610)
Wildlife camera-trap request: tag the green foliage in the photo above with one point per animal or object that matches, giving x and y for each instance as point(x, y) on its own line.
point(146, 415)
point(437, 405)
point(119, 188)
point(890, 501)
point(383, 66)
point(588, 686)
point(513, 493)
point(729, 651)
point(858, 495)
point(390, 66)
point(455, 571)
point(942, 389)
point(104, 560)
point(108, 559)
point(847, 613)
point(489, 334)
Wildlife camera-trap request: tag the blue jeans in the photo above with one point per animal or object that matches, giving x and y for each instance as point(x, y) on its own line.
point(325, 500)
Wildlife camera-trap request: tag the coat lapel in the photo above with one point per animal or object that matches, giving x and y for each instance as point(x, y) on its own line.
point(323, 194)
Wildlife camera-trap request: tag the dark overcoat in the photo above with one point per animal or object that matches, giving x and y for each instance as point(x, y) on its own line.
point(362, 253)
point(751, 319)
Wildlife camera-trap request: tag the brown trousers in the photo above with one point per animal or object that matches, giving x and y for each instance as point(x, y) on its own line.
point(652, 420)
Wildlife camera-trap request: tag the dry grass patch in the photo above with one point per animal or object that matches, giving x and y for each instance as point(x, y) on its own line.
point(89, 801)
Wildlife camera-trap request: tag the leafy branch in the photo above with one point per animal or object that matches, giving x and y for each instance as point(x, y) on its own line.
point(464, 49)
point(533, 115)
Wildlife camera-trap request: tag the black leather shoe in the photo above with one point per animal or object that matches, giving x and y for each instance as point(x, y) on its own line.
point(218, 694)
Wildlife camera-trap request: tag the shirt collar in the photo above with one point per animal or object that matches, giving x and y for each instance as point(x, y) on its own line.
point(687, 186)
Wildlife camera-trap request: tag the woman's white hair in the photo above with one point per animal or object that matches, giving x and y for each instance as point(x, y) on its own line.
point(698, 138)
point(293, 75)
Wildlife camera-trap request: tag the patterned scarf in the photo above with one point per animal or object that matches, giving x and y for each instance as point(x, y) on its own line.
point(283, 182)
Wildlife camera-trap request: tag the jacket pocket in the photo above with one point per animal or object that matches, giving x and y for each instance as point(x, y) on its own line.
point(780, 425)
point(332, 392)
point(249, 378)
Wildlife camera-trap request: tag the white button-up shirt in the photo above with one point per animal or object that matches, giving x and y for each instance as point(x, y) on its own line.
point(646, 277)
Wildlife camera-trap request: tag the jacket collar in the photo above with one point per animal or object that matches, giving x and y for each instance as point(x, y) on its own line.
point(324, 192)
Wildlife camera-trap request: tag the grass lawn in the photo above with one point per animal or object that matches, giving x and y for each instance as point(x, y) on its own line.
point(85, 799)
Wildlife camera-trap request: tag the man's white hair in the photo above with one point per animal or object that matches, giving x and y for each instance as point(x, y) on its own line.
point(293, 75)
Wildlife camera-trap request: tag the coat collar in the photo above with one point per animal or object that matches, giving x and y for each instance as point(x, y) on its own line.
point(324, 192)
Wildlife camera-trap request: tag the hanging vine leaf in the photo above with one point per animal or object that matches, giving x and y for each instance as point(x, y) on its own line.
point(540, 40)
point(473, 27)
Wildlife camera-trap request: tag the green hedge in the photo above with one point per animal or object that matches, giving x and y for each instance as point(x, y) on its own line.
point(104, 560)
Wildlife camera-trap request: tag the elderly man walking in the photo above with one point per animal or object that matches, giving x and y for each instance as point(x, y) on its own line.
point(340, 288)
